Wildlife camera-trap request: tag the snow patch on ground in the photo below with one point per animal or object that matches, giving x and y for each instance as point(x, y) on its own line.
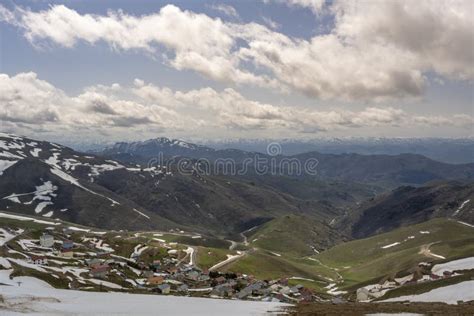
point(37, 297)
point(79, 229)
point(35, 152)
point(98, 243)
point(461, 264)
point(451, 294)
point(137, 251)
point(66, 177)
point(142, 214)
point(105, 283)
point(302, 279)
point(43, 193)
point(391, 245)
point(49, 214)
point(461, 207)
point(467, 224)
point(24, 218)
point(40, 207)
point(7, 235)
point(5, 164)
point(6, 154)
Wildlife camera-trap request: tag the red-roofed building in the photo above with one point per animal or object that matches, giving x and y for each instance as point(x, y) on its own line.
point(39, 259)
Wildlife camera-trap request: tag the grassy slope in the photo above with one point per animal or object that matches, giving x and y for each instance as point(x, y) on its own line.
point(264, 265)
point(205, 241)
point(357, 262)
point(294, 235)
point(280, 248)
point(207, 257)
point(365, 259)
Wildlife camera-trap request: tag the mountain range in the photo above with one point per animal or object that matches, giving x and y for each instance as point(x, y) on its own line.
point(351, 196)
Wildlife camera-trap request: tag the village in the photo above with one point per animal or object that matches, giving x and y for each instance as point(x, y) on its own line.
point(85, 261)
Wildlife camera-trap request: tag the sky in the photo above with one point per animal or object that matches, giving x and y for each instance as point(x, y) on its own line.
point(91, 71)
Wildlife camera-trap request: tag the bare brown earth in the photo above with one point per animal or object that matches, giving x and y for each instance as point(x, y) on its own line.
point(357, 309)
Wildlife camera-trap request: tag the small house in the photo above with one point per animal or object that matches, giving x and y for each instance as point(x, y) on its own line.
point(434, 276)
point(447, 274)
point(244, 293)
point(204, 278)
point(219, 280)
point(147, 274)
point(274, 287)
point(223, 290)
point(66, 253)
point(156, 264)
point(103, 254)
point(183, 288)
point(362, 294)
point(163, 288)
point(249, 290)
point(284, 281)
point(285, 290)
point(94, 262)
point(99, 271)
point(68, 244)
point(39, 260)
point(46, 240)
point(67, 231)
point(172, 270)
point(155, 280)
point(306, 294)
point(193, 275)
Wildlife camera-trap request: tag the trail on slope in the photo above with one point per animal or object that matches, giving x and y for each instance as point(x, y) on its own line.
point(340, 279)
point(191, 254)
point(229, 260)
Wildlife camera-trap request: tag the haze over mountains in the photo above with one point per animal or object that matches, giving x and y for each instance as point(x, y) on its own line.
point(450, 150)
point(385, 170)
point(118, 189)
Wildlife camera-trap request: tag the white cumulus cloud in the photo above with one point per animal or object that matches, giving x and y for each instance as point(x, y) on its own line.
point(30, 102)
point(377, 50)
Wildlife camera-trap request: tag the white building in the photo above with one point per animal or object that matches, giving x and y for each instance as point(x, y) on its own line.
point(362, 294)
point(46, 241)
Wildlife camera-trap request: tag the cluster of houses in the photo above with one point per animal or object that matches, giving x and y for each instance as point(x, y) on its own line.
point(167, 276)
point(190, 280)
point(47, 241)
point(171, 275)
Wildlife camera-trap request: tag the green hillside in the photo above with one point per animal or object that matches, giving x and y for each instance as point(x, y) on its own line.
point(282, 248)
point(366, 259)
point(294, 236)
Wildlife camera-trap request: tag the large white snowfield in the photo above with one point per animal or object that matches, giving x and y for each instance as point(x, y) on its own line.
point(27, 295)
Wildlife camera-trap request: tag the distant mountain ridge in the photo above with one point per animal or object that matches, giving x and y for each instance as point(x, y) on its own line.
point(448, 150)
point(383, 170)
